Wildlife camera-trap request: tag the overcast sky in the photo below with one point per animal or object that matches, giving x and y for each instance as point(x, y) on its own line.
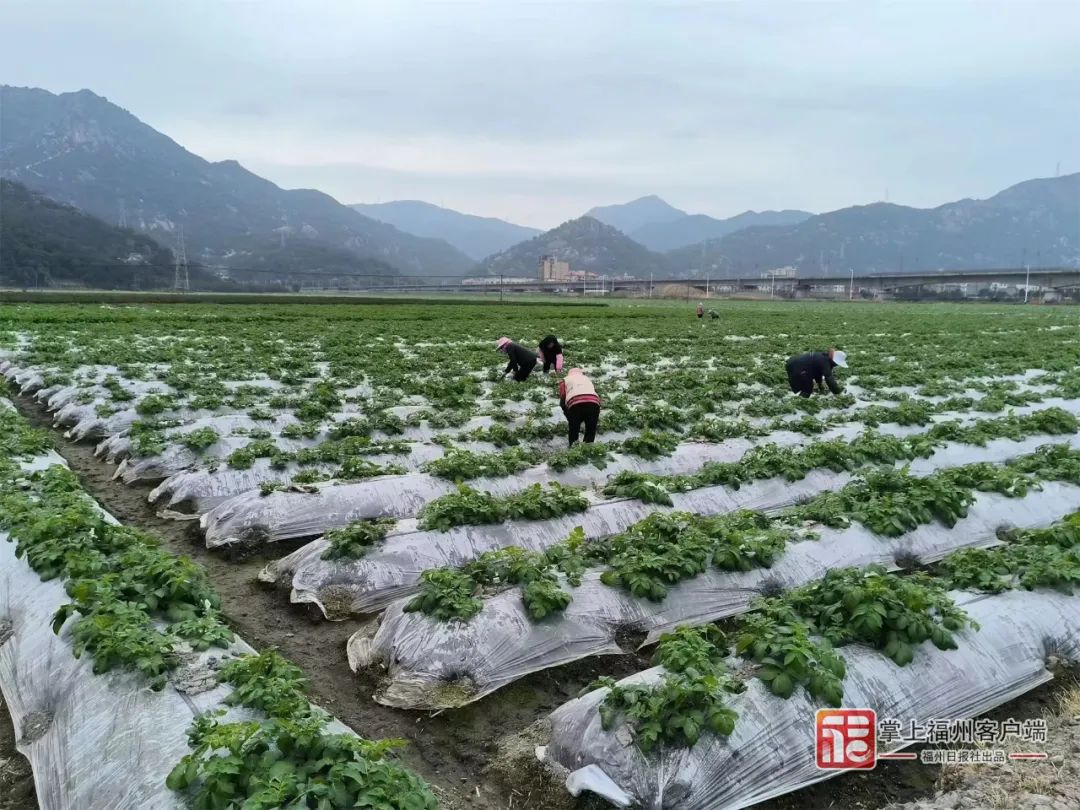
point(536, 111)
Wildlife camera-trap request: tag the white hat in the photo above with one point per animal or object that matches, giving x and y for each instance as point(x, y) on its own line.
point(840, 358)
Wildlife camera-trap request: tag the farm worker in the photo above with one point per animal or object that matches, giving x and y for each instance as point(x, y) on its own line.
point(815, 367)
point(700, 310)
point(521, 360)
point(551, 353)
point(713, 314)
point(580, 404)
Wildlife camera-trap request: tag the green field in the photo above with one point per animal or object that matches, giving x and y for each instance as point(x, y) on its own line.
point(750, 551)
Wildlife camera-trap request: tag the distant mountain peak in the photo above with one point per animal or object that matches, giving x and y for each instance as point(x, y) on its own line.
point(587, 244)
point(629, 217)
point(693, 229)
point(473, 235)
point(1035, 217)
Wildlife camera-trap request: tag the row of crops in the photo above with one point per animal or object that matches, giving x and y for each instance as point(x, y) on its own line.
point(881, 548)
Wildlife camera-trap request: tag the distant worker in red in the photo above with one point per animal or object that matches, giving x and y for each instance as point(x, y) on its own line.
point(520, 360)
point(700, 310)
point(580, 405)
point(804, 370)
point(551, 353)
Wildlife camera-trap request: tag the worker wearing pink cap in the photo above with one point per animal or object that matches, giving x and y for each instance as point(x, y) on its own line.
point(520, 360)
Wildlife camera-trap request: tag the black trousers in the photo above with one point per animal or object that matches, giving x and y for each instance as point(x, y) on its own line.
point(588, 414)
point(522, 372)
point(801, 384)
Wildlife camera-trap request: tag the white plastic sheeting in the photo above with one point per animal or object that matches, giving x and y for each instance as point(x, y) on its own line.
point(95, 741)
point(343, 586)
point(771, 750)
point(92, 740)
point(422, 656)
point(251, 519)
point(203, 490)
point(393, 569)
point(288, 515)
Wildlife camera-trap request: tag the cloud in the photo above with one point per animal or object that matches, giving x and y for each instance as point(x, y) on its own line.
point(538, 110)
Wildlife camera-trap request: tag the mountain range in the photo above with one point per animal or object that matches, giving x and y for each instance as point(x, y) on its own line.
point(661, 227)
point(586, 243)
point(1037, 221)
point(81, 149)
point(476, 237)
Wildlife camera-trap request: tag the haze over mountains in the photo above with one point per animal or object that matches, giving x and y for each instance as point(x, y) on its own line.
point(1037, 221)
point(476, 237)
point(80, 149)
point(662, 227)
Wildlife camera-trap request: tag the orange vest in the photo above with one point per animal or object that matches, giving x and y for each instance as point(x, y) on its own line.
point(578, 385)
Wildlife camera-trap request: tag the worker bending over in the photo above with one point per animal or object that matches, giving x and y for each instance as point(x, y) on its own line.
point(805, 370)
point(520, 360)
point(551, 353)
point(580, 405)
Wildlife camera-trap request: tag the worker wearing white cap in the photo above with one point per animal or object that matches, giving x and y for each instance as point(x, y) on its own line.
point(805, 370)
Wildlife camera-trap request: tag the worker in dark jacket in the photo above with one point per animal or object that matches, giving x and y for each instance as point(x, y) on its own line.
point(580, 405)
point(519, 359)
point(805, 370)
point(551, 353)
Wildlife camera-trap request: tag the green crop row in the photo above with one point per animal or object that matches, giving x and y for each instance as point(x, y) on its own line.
point(791, 639)
point(793, 464)
point(134, 606)
point(468, 507)
point(666, 548)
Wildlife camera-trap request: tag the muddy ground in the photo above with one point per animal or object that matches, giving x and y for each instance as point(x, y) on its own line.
point(16, 780)
point(458, 751)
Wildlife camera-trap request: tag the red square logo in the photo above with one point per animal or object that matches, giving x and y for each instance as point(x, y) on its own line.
point(846, 739)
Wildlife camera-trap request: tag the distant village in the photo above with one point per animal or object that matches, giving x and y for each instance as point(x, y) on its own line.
point(1046, 285)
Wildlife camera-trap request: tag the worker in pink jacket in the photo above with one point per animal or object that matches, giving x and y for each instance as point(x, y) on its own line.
point(580, 405)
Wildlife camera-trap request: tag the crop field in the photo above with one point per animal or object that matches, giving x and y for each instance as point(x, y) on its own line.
point(287, 555)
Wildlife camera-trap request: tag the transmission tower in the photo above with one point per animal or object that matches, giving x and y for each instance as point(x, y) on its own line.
point(180, 278)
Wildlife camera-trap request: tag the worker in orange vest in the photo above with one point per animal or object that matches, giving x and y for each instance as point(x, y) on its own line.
point(580, 405)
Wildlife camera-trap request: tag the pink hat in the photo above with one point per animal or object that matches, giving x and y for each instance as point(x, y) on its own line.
point(501, 342)
point(575, 371)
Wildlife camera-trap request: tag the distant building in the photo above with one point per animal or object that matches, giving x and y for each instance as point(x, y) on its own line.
point(551, 269)
point(781, 272)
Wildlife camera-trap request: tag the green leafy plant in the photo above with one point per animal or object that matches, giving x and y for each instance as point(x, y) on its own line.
point(353, 541)
point(650, 445)
point(199, 439)
point(462, 465)
point(466, 506)
point(597, 454)
point(445, 595)
point(687, 701)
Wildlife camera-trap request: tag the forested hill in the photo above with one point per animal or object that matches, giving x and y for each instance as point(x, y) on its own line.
point(45, 243)
point(82, 149)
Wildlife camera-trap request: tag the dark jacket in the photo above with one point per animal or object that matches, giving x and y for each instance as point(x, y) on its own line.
point(551, 348)
point(519, 360)
point(805, 370)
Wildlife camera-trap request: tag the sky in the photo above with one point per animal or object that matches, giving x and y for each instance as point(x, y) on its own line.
point(537, 111)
